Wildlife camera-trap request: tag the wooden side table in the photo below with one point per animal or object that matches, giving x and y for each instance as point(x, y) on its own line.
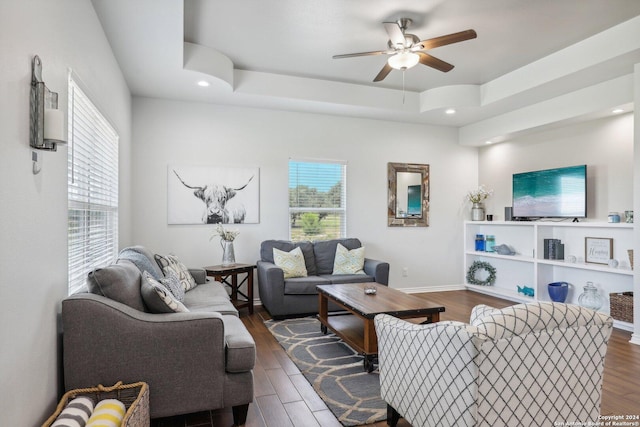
point(222, 273)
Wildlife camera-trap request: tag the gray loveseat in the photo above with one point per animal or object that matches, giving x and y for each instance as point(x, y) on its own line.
point(193, 361)
point(296, 296)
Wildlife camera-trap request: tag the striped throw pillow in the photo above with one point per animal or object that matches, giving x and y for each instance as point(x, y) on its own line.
point(75, 414)
point(108, 413)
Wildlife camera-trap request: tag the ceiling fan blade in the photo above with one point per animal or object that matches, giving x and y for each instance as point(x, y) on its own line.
point(394, 32)
point(433, 62)
point(351, 55)
point(448, 39)
point(383, 73)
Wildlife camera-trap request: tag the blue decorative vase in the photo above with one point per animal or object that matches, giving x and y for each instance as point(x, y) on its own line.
point(558, 291)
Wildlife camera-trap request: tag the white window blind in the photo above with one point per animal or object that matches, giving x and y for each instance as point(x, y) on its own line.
point(92, 188)
point(317, 200)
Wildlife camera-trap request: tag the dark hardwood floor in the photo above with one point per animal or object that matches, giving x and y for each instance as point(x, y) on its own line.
point(284, 398)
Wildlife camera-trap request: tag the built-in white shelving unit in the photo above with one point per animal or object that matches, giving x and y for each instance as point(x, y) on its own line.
point(529, 268)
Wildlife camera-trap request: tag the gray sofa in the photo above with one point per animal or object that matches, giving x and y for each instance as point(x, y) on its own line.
point(193, 361)
point(297, 296)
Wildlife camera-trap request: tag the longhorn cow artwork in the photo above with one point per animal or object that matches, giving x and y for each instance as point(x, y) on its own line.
point(212, 195)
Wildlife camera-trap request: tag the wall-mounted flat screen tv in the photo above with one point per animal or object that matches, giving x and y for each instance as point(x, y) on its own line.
point(551, 193)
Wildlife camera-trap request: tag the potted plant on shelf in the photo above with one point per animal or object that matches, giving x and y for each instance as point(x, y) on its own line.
point(477, 197)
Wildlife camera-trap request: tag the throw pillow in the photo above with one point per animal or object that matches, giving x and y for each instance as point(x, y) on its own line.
point(119, 282)
point(108, 412)
point(348, 261)
point(76, 413)
point(291, 263)
point(171, 263)
point(158, 298)
point(172, 283)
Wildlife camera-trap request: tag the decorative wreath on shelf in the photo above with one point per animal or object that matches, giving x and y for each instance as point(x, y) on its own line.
point(481, 265)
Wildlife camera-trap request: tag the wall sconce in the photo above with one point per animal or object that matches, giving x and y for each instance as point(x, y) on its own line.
point(47, 121)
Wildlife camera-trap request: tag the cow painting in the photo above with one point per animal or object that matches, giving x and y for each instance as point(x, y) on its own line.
point(216, 198)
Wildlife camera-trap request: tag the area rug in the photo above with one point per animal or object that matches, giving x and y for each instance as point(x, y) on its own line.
point(334, 370)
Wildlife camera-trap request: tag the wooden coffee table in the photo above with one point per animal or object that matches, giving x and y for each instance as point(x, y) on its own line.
point(356, 327)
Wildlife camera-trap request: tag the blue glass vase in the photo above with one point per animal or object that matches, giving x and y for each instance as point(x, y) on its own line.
point(558, 291)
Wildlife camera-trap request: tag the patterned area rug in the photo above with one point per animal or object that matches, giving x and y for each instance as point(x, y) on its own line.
point(334, 370)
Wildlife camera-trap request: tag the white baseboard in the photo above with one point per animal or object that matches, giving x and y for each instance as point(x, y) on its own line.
point(635, 339)
point(423, 289)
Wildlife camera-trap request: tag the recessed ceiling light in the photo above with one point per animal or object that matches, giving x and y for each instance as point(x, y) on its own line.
point(450, 111)
point(488, 142)
point(203, 83)
point(618, 111)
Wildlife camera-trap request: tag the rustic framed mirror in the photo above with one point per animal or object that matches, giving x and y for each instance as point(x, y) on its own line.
point(408, 195)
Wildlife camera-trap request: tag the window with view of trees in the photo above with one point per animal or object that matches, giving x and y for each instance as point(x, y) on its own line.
point(317, 200)
point(92, 188)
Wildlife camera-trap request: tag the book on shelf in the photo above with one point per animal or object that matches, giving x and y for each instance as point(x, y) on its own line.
point(553, 249)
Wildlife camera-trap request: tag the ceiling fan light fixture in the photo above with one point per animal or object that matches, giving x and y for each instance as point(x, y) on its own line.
point(403, 60)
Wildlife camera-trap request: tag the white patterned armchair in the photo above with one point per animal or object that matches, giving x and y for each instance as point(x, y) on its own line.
point(526, 365)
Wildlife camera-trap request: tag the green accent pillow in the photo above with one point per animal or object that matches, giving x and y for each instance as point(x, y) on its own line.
point(348, 261)
point(291, 263)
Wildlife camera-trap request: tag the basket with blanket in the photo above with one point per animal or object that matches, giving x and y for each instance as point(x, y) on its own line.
point(125, 405)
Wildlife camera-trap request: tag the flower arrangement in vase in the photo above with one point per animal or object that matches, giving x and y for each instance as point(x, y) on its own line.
point(226, 242)
point(476, 197)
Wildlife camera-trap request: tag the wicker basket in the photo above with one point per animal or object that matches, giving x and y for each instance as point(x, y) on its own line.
point(622, 306)
point(630, 252)
point(134, 396)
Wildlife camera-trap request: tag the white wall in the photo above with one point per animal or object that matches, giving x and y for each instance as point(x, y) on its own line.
point(33, 218)
point(604, 145)
point(167, 132)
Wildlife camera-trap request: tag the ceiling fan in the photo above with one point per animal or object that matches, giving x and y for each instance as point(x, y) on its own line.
point(407, 50)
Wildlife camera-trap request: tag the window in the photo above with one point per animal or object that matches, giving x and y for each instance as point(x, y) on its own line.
point(92, 188)
point(317, 200)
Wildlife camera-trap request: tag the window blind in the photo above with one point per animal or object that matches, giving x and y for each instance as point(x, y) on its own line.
point(92, 188)
point(317, 200)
